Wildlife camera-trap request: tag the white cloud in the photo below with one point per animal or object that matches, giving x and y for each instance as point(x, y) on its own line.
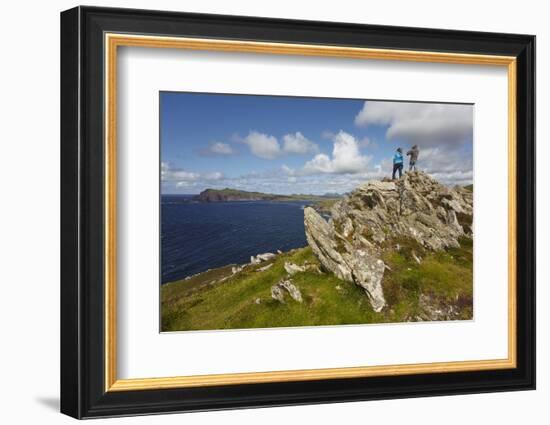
point(268, 147)
point(365, 141)
point(346, 158)
point(426, 124)
point(327, 134)
point(287, 170)
point(263, 145)
point(182, 177)
point(443, 132)
point(167, 173)
point(297, 143)
point(447, 166)
point(218, 148)
point(216, 175)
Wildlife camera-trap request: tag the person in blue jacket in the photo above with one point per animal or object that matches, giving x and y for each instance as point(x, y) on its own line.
point(397, 163)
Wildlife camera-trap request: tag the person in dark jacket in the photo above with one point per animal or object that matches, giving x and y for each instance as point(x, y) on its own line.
point(397, 163)
point(413, 157)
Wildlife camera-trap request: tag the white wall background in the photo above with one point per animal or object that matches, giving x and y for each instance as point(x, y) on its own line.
point(29, 224)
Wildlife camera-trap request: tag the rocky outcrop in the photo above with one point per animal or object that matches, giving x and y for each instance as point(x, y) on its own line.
point(285, 285)
point(237, 269)
point(260, 258)
point(277, 293)
point(264, 268)
point(376, 215)
point(292, 268)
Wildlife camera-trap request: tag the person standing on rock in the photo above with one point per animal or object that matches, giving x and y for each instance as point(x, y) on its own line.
point(397, 163)
point(413, 156)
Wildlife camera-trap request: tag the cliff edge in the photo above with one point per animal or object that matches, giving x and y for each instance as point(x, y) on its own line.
point(381, 215)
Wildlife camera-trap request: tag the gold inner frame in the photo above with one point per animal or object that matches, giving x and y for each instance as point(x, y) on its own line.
point(113, 41)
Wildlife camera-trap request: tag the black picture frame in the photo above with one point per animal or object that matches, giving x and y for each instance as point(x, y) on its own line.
point(82, 212)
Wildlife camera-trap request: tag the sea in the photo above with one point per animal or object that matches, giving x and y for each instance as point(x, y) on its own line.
point(197, 236)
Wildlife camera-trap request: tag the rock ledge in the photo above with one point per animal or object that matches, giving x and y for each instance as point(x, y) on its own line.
point(377, 213)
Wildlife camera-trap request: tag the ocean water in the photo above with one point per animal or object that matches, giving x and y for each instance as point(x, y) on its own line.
point(197, 236)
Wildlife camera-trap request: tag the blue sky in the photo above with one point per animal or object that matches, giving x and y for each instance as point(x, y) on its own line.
point(289, 145)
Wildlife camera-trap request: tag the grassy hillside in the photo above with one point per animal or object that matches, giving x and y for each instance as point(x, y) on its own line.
point(439, 288)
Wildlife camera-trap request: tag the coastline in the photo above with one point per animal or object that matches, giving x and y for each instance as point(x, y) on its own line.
point(242, 297)
point(198, 236)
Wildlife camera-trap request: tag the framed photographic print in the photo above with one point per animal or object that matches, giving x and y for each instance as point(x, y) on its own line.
point(261, 212)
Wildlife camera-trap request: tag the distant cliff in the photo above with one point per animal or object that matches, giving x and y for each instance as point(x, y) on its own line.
point(224, 195)
point(229, 195)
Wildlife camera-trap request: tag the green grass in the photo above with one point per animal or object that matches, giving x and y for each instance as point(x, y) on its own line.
point(446, 278)
point(202, 302)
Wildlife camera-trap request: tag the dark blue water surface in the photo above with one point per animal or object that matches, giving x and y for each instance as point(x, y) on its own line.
point(197, 236)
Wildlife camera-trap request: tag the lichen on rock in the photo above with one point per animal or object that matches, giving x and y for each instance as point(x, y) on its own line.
point(278, 291)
